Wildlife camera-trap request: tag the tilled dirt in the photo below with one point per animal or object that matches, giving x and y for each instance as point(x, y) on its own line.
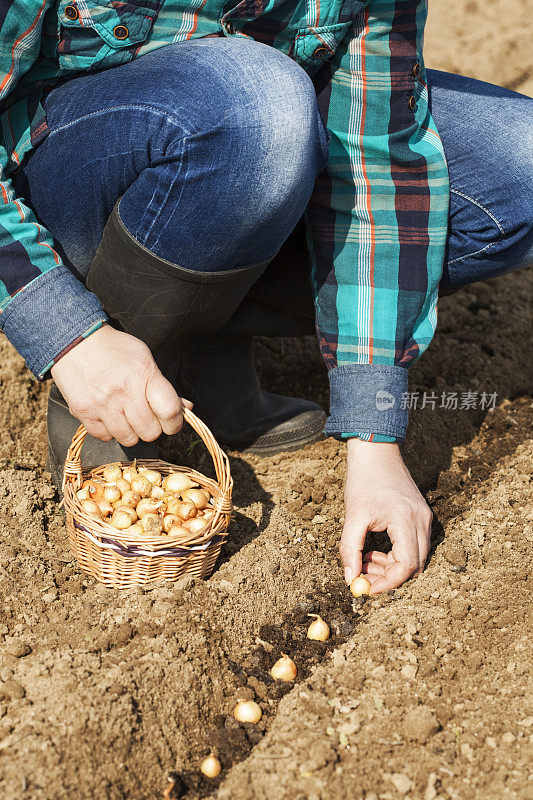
point(421, 693)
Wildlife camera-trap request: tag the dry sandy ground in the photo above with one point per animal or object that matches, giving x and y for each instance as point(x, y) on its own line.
point(420, 694)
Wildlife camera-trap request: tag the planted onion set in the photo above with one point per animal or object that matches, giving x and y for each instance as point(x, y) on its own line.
point(141, 502)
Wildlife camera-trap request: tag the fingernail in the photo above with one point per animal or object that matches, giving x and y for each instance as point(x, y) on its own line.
point(348, 575)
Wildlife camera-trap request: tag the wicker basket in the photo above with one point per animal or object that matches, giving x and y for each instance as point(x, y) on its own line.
point(121, 560)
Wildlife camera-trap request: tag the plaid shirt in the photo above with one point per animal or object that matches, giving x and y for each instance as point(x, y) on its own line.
point(377, 219)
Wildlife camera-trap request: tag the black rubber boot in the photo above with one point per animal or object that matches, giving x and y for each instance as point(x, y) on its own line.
point(155, 300)
point(217, 374)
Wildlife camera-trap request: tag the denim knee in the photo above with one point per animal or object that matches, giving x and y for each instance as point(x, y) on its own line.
point(237, 164)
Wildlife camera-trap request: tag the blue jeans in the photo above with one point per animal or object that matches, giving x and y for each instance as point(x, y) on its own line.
point(234, 133)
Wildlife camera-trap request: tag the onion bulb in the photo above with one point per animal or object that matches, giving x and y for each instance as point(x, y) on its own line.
point(171, 521)
point(129, 473)
point(157, 493)
point(122, 485)
point(318, 629)
point(210, 766)
point(121, 519)
point(178, 532)
point(136, 529)
point(105, 507)
point(96, 492)
point(208, 513)
point(148, 506)
point(360, 586)
point(112, 494)
point(177, 482)
point(130, 498)
point(152, 524)
point(247, 711)
point(284, 669)
point(112, 473)
point(152, 474)
point(196, 525)
point(91, 507)
point(181, 509)
point(195, 496)
point(83, 494)
point(141, 484)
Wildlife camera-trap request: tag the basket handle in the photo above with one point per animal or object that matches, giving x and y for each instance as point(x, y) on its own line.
point(73, 474)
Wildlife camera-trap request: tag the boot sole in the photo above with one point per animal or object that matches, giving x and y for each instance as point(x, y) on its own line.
point(284, 441)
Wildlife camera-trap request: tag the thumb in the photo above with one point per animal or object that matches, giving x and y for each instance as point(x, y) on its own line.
point(164, 402)
point(351, 547)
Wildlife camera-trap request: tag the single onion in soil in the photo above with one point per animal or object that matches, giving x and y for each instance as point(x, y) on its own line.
point(318, 630)
point(247, 711)
point(360, 586)
point(210, 766)
point(284, 669)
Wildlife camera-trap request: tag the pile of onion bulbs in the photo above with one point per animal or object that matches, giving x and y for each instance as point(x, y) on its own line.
point(140, 501)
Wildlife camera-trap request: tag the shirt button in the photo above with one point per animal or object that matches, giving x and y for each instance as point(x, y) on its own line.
point(71, 12)
point(121, 32)
point(416, 69)
point(412, 102)
point(320, 52)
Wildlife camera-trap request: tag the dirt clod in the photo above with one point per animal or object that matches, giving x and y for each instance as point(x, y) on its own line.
point(19, 649)
point(420, 724)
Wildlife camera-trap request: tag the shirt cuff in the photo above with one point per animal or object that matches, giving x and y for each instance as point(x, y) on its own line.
point(368, 399)
point(50, 316)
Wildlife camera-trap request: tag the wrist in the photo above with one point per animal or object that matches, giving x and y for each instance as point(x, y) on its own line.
point(357, 448)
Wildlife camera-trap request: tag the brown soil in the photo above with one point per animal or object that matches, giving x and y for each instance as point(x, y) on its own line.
point(419, 694)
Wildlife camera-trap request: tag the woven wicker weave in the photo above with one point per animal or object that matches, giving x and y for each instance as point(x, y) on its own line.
point(121, 560)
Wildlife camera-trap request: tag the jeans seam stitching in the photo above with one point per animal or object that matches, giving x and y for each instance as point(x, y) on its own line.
point(469, 255)
point(482, 207)
point(132, 107)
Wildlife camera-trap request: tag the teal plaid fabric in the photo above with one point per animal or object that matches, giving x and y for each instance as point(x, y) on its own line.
point(377, 220)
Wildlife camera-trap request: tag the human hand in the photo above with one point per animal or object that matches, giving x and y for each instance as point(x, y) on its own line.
point(114, 387)
point(380, 494)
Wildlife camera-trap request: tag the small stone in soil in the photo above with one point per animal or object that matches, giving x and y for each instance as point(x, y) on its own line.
point(401, 782)
point(459, 608)
point(420, 724)
point(18, 649)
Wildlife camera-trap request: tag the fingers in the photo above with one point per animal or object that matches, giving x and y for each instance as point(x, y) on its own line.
point(351, 547)
point(403, 560)
point(120, 429)
point(143, 421)
point(97, 429)
point(424, 540)
point(165, 403)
